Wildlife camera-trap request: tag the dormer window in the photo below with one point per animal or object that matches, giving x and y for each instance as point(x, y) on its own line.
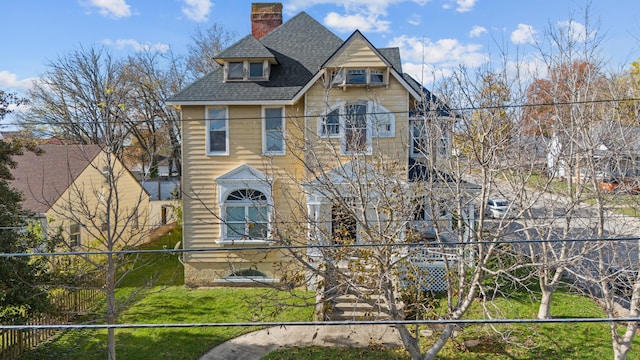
point(358, 77)
point(376, 77)
point(256, 70)
point(246, 70)
point(236, 71)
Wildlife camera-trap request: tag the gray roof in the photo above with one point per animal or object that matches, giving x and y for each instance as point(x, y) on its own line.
point(393, 57)
point(248, 48)
point(300, 45)
point(429, 102)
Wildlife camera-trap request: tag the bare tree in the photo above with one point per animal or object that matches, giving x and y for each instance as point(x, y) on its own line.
point(105, 213)
point(207, 43)
point(81, 98)
point(153, 125)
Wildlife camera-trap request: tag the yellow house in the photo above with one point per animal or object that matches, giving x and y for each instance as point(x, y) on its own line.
point(287, 104)
point(85, 193)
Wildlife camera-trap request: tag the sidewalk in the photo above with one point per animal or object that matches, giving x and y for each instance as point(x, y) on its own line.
point(255, 345)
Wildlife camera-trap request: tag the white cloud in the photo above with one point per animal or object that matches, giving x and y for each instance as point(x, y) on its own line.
point(477, 31)
point(415, 20)
point(365, 15)
point(121, 44)
point(197, 10)
point(348, 23)
point(465, 5)
point(441, 53)
point(575, 31)
point(524, 34)
point(112, 8)
point(9, 81)
point(295, 6)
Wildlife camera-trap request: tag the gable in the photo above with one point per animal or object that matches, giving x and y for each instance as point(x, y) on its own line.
point(356, 53)
point(43, 178)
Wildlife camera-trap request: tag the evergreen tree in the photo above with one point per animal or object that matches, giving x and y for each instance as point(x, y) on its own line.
point(21, 277)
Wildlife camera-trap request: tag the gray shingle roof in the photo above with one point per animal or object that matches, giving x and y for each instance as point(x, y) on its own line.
point(393, 56)
point(429, 102)
point(248, 48)
point(300, 45)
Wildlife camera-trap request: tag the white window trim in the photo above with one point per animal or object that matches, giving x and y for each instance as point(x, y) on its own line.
point(412, 151)
point(368, 131)
point(373, 110)
point(246, 207)
point(246, 70)
point(445, 138)
point(226, 187)
point(321, 121)
point(207, 131)
point(378, 110)
point(265, 151)
point(72, 234)
point(342, 75)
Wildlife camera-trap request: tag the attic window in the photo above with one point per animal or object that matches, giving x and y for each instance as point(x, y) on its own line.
point(246, 70)
point(236, 70)
point(358, 77)
point(256, 70)
point(376, 77)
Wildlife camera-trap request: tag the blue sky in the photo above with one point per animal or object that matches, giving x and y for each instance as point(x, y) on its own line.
point(439, 33)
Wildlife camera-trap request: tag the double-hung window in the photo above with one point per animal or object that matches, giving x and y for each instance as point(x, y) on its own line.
point(273, 131)
point(74, 234)
point(443, 144)
point(355, 128)
point(419, 138)
point(246, 215)
point(217, 131)
point(356, 123)
point(330, 125)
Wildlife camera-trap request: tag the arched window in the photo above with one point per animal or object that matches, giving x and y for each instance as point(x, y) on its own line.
point(246, 215)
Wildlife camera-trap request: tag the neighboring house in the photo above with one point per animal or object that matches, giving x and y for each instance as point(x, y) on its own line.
point(69, 186)
point(615, 150)
point(164, 201)
point(166, 168)
point(284, 101)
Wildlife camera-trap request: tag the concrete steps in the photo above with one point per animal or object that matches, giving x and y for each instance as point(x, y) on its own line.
point(350, 307)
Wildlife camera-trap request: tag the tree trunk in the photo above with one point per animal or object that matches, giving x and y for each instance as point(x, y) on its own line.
point(112, 311)
point(620, 350)
point(544, 310)
point(434, 349)
point(411, 344)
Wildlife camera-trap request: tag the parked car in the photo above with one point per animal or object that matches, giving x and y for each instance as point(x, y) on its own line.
point(498, 208)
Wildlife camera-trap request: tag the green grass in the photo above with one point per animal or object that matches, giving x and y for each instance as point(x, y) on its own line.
point(175, 304)
point(516, 341)
point(166, 300)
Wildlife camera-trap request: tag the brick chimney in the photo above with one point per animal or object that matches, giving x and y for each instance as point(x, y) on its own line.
point(264, 18)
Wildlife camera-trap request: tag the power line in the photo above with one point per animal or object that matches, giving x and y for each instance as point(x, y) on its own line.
point(461, 322)
point(428, 245)
point(293, 116)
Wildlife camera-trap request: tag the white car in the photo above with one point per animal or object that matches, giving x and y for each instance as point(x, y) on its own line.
point(498, 208)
